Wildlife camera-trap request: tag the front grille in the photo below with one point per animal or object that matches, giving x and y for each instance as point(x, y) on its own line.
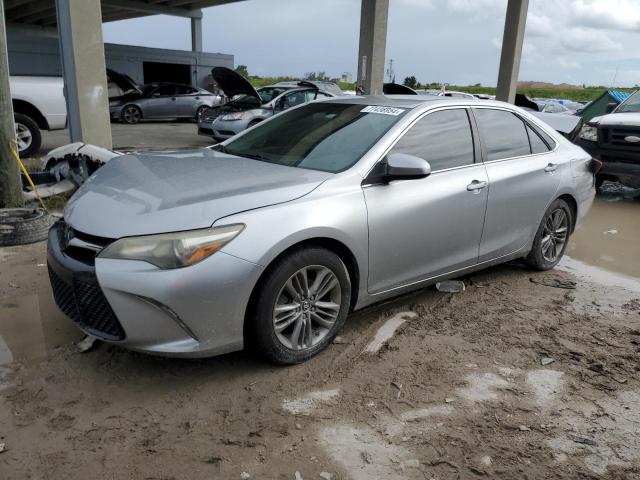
point(615, 137)
point(209, 115)
point(86, 305)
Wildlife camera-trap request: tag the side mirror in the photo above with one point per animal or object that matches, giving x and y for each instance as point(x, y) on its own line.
point(398, 166)
point(611, 107)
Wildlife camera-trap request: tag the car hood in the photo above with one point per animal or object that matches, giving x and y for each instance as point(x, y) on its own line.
point(124, 82)
point(562, 123)
point(150, 193)
point(232, 83)
point(628, 118)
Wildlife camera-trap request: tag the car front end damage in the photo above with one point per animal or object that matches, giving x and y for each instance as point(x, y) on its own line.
point(190, 312)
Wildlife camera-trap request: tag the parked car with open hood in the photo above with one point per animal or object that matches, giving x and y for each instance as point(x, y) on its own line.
point(156, 101)
point(615, 140)
point(249, 106)
point(272, 237)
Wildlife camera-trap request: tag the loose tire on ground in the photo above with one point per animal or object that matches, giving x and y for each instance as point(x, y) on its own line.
point(22, 122)
point(536, 258)
point(19, 226)
point(262, 329)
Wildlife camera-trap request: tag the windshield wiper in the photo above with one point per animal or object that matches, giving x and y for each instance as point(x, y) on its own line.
point(254, 156)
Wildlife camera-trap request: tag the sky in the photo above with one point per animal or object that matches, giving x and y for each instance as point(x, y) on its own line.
point(593, 42)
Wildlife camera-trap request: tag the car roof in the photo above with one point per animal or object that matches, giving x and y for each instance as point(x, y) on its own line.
point(413, 101)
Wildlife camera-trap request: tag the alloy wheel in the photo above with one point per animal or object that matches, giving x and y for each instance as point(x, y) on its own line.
point(131, 115)
point(24, 137)
point(554, 235)
point(307, 307)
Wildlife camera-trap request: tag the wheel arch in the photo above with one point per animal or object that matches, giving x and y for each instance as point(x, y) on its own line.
point(28, 109)
point(573, 205)
point(336, 246)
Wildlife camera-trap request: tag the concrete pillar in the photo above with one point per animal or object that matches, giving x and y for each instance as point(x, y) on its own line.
point(10, 186)
point(373, 43)
point(84, 70)
point(196, 34)
point(512, 40)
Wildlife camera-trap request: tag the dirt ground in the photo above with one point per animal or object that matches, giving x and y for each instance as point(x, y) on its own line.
point(521, 376)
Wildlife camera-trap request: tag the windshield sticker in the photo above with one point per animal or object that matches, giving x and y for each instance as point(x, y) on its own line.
point(383, 110)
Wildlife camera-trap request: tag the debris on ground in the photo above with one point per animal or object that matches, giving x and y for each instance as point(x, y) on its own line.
point(86, 344)
point(582, 440)
point(366, 457)
point(2, 447)
point(387, 330)
point(245, 476)
point(524, 428)
point(450, 286)
point(613, 231)
point(298, 476)
point(326, 476)
point(555, 282)
point(546, 360)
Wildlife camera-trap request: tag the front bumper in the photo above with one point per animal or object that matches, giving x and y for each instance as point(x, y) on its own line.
point(195, 311)
point(115, 112)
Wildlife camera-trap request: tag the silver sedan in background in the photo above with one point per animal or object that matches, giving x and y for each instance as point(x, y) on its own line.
point(159, 101)
point(271, 238)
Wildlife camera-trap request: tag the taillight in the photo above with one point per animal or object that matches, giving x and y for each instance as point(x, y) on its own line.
point(596, 165)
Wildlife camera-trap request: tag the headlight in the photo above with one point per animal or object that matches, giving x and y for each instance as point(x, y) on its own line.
point(173, 250)
point(232, 116)
point(589, 132)
point(115, 103)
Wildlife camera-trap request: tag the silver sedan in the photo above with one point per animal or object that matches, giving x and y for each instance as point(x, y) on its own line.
point(271, 238)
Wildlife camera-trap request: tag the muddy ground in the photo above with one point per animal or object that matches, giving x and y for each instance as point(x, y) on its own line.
point(514, 378)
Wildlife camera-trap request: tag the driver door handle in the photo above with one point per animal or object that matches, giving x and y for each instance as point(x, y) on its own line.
point(552, 167)
point(476, 186)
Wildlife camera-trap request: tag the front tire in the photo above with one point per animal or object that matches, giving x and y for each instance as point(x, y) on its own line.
point(552, 236)
point(301, 305)
point(28, 135)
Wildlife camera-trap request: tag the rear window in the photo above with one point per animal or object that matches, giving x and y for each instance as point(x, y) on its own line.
point(537, 144)
point(504, 134)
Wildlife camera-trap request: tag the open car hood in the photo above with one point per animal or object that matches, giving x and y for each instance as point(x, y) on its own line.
point(124, 82)
point(232, 83)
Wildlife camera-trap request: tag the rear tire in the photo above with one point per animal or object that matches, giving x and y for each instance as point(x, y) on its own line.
point(318, 315)
point(551, 237)
point(28, 135)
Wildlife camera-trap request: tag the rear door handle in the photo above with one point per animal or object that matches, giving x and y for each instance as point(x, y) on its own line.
point(476, 186)
point(552, 167)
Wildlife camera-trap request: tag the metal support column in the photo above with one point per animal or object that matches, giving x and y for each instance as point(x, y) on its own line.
point(514, 25)
point(84, 69)
point(373, 43)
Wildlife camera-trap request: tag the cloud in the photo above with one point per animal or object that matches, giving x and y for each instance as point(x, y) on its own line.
point(425, 4)
point(588, 41)
point(538, 25)
point(568, 63)
point(616, 14)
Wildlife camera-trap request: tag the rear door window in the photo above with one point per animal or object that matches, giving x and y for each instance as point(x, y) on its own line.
point(504, 134)
point(185, 90)
point(442, 138)
point(165, 91)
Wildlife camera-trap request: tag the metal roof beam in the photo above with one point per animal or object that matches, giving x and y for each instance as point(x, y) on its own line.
point(148, 8)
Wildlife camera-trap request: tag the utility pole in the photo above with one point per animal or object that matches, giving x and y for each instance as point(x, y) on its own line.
point(10, 184)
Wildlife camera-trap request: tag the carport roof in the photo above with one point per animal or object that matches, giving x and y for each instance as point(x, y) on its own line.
point(43, 12)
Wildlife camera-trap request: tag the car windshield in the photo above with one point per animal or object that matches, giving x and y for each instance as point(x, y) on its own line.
point(631, 104)
point(320, 136)
point(269, 93)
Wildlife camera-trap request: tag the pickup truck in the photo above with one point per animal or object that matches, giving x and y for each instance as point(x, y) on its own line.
point(38, 104)
point(614, 139)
